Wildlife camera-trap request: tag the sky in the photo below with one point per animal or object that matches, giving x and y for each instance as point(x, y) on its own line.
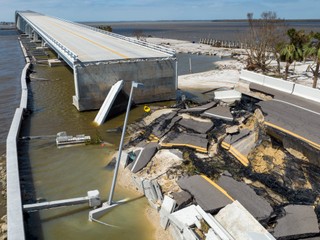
point(135, 10)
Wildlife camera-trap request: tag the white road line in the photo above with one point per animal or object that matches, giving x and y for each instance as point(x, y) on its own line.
point(297, 106)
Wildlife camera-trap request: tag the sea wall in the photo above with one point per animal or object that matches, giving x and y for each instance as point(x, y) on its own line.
point(15, 222)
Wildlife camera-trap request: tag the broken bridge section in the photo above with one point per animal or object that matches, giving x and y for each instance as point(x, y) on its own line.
point(99, 59)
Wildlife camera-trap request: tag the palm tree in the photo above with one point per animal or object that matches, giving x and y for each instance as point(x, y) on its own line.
point(290, 53)
point(312, 49)
point(293, 51)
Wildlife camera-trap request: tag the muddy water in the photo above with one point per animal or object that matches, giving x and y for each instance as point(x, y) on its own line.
point(11, 65)
point(49, 173)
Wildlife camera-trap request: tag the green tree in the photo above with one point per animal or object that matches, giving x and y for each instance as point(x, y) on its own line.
point(293, 50)
point(312, 49)
point(290, 53)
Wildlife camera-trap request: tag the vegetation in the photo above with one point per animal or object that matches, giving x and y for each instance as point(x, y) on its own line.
point(264, 40)
point(312, 49)
point(269, 38)
point(105, 28)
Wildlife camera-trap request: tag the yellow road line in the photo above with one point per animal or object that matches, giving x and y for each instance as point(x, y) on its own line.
point(313, 144)
point(241, 158)
point(197, 148)
point(217, 187)
point(93, 42)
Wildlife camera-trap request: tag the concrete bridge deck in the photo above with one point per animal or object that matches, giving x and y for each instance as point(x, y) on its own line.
point(99, 59)
point(90, 45)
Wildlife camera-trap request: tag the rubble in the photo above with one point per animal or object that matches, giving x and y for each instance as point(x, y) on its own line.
point(219, 112)
point(214, 154)
point(299, 221)
point(207, 194)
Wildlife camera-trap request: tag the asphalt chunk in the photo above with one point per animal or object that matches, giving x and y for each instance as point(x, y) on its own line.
point(197, 126)
point(300, 220)
point(207, 195)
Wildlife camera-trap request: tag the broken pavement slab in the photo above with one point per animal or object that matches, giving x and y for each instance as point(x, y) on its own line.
point(197, 126)
point(198, 142)
point(240, 145)
point(182, 198)
point(164, 125)
point(143, 156)
point(241, 192)
point(206, 193)
point(199, 109)
point(241, 224)
point(299, 221)
point(219, 112)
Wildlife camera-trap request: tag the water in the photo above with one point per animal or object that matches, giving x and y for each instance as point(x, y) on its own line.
point(194, 30)
point(11, 65)
point(51, 174)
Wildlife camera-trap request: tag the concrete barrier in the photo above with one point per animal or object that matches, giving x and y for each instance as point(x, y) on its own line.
point(252, 77)
point(14, 203)
point(279, 84)
point(15, 221)
point(307, 92)
point(24, 75)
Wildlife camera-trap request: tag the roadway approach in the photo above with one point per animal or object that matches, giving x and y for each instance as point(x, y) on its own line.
point(99, 59)
point(294, 116)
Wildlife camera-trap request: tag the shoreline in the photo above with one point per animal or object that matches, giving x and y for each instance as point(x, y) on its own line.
point(226, 75)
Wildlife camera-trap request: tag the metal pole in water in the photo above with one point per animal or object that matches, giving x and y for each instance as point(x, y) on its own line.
point(190, 67)
point(114, 180)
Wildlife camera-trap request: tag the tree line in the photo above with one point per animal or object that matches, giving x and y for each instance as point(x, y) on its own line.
point(270, 38)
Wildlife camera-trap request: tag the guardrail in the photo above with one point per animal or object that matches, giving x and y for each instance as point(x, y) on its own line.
point(128, 39)
point(282, 85)
point(53, 42)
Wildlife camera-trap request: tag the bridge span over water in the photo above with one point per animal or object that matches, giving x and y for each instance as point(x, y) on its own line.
point(99, 59)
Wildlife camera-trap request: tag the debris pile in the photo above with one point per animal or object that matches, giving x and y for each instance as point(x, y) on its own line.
point(215, 163)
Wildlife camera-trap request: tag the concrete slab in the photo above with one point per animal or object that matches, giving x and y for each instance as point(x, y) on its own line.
point(215, 225)
point(182, 198)
point(197, 126)
point(197, 142)
point(144, 157)
point(199, 109)
point(240, 191)
point(107, 104)
point(241, 224)
point(300, 220)
point(219, 112)
point(207, 194)
point(167, 207)
point(211, 235)
point(227, 95)
point(188, 216)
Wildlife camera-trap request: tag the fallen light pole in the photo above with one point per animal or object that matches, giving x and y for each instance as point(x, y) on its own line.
point(96, 213)
point(92, 198)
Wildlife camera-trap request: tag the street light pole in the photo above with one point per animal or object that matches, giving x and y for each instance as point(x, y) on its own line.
point(115, 175)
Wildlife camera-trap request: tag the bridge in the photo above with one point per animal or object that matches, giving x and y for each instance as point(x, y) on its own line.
point(99, 59)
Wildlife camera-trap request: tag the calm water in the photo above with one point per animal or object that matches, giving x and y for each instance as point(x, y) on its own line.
point(194, 30)
point(11, 65)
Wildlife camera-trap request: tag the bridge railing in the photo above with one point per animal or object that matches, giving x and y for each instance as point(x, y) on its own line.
point(128, 39)
point(47, 37)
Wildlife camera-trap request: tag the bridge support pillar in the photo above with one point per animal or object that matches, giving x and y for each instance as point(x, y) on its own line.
point(94, 80)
